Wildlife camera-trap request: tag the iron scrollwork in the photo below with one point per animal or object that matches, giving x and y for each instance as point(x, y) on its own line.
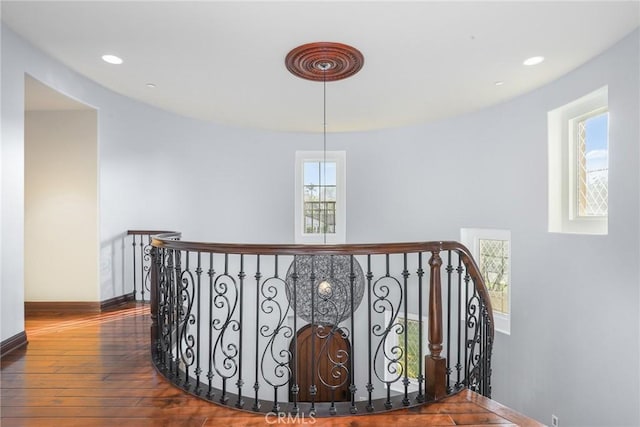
point(478, 322)
point(186, 340)
point(146, 269)
point(473, 324)
point(387, 354)
point(225, 350)
point(275, 362)
point(338, 362)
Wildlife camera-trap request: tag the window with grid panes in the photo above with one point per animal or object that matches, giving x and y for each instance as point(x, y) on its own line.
point(578, 169)
point(320, 199)
point(493, 262)
point(592, 160)
point(491, 249)
point(412, 349)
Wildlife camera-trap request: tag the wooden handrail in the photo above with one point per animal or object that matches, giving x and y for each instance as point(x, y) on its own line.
point(149, 232)
point(167, 240)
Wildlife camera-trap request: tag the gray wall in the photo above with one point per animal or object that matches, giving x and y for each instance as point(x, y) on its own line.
point(574, 346)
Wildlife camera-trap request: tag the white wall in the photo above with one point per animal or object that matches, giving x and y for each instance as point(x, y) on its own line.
point(61, 206)
point(12, 290)
point(575, 298)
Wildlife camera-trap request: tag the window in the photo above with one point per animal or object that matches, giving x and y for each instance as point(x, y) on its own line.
point(579, 165)
point(491, 250)
point(494, 267)
point(412, 349)
point(592, 154)
point(320, 197)
point(319, 193)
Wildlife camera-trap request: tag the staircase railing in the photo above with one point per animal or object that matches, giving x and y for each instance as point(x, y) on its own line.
point(141, 262)
point(387, 325)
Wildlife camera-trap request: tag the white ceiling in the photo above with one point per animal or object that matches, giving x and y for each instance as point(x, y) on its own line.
point(224, 61)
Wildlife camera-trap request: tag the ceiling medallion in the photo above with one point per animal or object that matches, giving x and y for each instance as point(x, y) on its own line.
point(324, 60)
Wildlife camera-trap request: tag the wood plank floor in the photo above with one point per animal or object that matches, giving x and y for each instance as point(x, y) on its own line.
point(95, 370)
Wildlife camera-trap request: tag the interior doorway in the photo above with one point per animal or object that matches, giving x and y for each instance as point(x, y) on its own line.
point(324, 359)
point(61, 252)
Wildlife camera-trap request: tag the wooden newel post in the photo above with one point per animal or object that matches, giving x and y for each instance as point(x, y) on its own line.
point(153, 300)
point(435, 365)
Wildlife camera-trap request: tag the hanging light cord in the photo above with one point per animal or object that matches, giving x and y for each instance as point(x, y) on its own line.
point(323, 201)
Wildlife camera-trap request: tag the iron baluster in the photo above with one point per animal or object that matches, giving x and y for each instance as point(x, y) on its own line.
point(313, 388)
point(172, 312)
point(186, 340)
point(475, 316)
point(405, 367)
point(295, 388)
point(352, 386)
point(147, 264)
point(420, 273)
point(482, 351)
point(449, 272)
point(240, 382)
point(370, 407)
point(459, 320)
point(133, 251)
point(163, 309)
point(158, 284)
point(272, 328)
point(388, 353)
point(256, 385)
point(141, 267)
point(466, 329)
point(153, 306)
point(198, 370)
point(211, 273)
point(487, 354)
point(226, 301)
point(177, 315)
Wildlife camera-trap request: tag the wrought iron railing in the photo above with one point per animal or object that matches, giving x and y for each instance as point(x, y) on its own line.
point(319, 330)
point(141, 263)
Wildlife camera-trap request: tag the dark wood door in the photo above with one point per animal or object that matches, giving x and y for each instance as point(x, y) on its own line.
point(324, 360)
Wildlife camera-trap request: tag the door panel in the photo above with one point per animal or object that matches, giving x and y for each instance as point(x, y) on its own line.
point(324, 359)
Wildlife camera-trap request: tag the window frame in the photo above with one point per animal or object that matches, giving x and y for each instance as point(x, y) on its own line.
point(300, 236)
point(470, 237)
point(563, 168)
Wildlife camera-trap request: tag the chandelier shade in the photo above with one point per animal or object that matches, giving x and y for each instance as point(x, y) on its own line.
point(323, 287)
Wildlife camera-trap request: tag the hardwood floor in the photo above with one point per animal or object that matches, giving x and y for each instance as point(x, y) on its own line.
point(95, 370)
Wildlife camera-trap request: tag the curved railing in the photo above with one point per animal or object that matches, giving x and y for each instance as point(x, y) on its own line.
point(141, 262)
point(319, 330)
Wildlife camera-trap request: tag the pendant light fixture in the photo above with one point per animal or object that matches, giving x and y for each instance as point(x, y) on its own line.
point(324, 61)
point(325, 283)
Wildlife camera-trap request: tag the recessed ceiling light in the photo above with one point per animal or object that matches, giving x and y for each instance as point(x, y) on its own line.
point(534, 60)
point(112, 59)
point(151, 85)
point(498, 83)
